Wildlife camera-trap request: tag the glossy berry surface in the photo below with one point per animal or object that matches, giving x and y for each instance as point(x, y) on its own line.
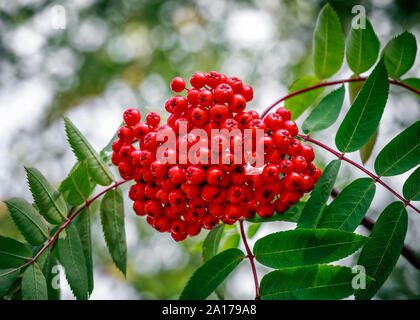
point(213, 161)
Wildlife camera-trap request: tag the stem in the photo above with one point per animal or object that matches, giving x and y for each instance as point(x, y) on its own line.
point(251, 257)
point(331, 83)
point(373, 176)
point(406, 252)
point(67, 222)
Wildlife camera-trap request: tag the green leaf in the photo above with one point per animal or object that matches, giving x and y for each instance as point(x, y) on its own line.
point(300, 247)
point(317, 282)
point(312, 211)
point(299, 103)
point(72, 258)
point(326, 113)
point(253, 229)
point(47, 263)
point(366, 150)
point(210, 275)
point(97, 168)
point(7, 278)
point(411, 188)
point(414, 83)
point(347, 210)
point(354, 89)
point(82, 224)
point(28, 221)
point(328, 42)
point(49, 201)
point(381, 252)
point(13, 253)
point(76, 187)
point(112, 218)
point(212, 241)
point(231, 242)
point(34, 285)
point(365, 113)
point(291, 215)
point(400, 54)
point(401, 154)
point(362, 48)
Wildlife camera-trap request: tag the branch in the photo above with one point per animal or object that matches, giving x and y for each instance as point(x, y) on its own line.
point(407, 252)
point(251, 257)
point(370, 174)
point(331, 83)
point(68, 221)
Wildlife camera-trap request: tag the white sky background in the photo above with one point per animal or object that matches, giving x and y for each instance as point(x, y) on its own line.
point(22, 103)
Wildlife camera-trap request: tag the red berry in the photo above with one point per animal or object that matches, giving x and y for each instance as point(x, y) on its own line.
point(213, 78)
point(140, 130)
point(235, 83)
point(209, 221)
point(291, 126)
point(192, 96)
point(131, 116)
point(282, 138)
point(300, 164)
point(178, 84)
point(308, 153)
point(195, 174)
point(153, 208)
point(218, 112)
point(284, 113)
point(233, 212)
point(205, 98)
point(294, 148)
point(199, 116)
point(237, 104)
point(125, 134)
point(198, 80)
point(270, 173)
point(265, 210)
point(176, 174)
point(286, 166)
point(136, 192)
point(153, 119)
point(293, 181)
point(178, 226)
point(162, 224)
point(223, 93)
point(247, 92)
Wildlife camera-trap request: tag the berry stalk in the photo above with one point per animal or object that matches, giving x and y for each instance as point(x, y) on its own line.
point(251, 257)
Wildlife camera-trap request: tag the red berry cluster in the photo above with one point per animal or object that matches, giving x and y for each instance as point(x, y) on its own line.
point(195, 192)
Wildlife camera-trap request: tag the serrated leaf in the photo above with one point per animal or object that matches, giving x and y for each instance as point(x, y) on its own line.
point(300, 247)
point(212, 241)
point(28, 221)
point(317, 282)
point(325, 113)
point(291, 215)
point(311, 213)
point(366, 151)
point(112, 218)
point(49, 267)
point(34, 285)
point(82, 224)
point(347, 210)
point(76, 187)
point(72, 258)
point(328, 43)
point(49, 200)
point(299, 103)
point(400, 54)
point(97, 168)
point(7, 278)
point(362, 48)
point(401, 154)
point(411, 188)
point(381, 252)
point(365, 113)
point(253, 229)
point(13, 253)
point(231, 242)
point(210, 275)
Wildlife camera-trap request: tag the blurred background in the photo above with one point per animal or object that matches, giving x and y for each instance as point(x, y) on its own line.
point(92, 59)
